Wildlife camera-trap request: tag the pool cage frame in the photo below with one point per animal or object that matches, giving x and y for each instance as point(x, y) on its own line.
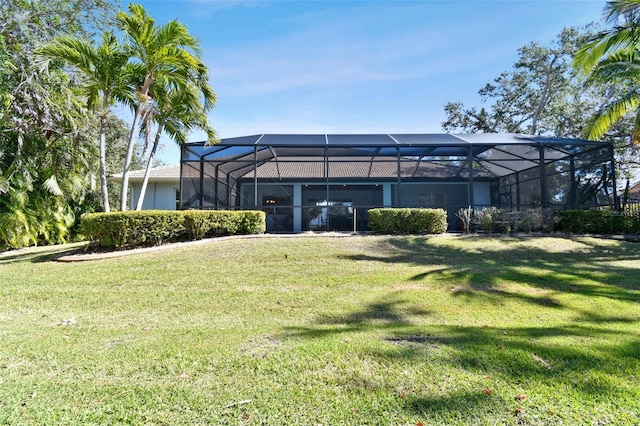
point(329, 182)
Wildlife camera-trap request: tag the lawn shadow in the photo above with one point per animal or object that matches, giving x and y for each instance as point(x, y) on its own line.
point(391, 314)
point(480, 272)
point(41, 254)
point(590, 356)
point(518, 355)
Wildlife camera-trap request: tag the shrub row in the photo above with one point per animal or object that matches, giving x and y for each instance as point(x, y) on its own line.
point(599, 222)
point(154, 227)
point(493, 219)
point(407, 221)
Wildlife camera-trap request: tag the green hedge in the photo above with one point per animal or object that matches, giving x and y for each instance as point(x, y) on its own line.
point(407, 221)
point(154, 227)
point(598, 222)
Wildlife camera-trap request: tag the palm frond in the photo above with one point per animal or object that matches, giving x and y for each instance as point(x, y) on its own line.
point(52, 185)
point(613, 113)
point(591, 53)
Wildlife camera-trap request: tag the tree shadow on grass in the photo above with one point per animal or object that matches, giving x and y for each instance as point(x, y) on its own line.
point(390, 314)
point(529, 355)
point(41, 254)
point(483, 271)
point(588, 359)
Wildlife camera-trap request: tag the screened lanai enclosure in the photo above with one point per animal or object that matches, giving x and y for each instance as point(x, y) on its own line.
point(329, 182)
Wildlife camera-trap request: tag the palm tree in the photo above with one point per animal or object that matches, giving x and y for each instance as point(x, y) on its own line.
point(104, 71)
point(613, 56)
point(167, 52)
point(177, 112)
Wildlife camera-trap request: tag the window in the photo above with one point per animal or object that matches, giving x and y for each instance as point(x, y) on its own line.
point(432, 200)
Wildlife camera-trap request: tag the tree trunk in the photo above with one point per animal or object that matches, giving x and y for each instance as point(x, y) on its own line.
point(144, 92)
point(145, 181)
point(127, 161)
point(544, 98)
point(103, 165)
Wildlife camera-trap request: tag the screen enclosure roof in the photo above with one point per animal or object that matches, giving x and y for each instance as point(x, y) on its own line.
point(403, 139)
point(499, 153)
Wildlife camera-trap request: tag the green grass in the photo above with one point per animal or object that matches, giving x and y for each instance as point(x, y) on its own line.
point(308, 331)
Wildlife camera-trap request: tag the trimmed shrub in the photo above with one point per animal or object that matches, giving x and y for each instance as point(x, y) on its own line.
point(132, 228)
point(598, 222)
point(197, 223)
point(407, 221)
point(253, 222)
point(154, 227)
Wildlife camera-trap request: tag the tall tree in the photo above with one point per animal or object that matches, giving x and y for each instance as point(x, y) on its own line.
point(168, 51)
point(105, 76)
point(527, 98)
point(46, 163)
point(177, 112)
point(544, 94)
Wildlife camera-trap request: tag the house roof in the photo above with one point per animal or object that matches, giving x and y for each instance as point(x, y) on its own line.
point(347, 167)
point(169, 173)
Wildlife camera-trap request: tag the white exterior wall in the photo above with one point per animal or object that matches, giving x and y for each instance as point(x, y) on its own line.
point(159, 196)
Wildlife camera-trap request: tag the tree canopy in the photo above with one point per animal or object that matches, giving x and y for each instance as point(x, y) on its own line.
point(62, 69)
point(47, 164)
point(544, 94)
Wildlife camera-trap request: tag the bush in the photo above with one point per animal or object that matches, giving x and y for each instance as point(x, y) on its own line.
point(253, 222)
point(488, 218)
point(132, 228)
point(466, 217)
point(197, 223)
point(598, 222)
point(154, 227)
point(407, 221)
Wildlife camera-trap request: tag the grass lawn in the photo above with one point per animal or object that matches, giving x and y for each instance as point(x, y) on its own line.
point(331, 331)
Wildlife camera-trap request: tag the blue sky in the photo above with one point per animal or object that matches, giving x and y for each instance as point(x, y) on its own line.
point(285, 66)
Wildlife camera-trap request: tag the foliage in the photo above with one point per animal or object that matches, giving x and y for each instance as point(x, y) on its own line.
point(599, 221)
point(251, 222)
point(407, 221)
point(127, 229)
point(213, 223)
point(154, 227)
point(105, 77)
point(487, 218)
point(540, 95)
point(349, 330)
point(612, 57)
point(178, 112)
point(492, 219)
point(544, 95)
point(45, 160)
point(165, 56)
point(465, 215)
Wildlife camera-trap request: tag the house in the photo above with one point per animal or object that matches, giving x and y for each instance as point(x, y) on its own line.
point(634, 191)
point(329, 182)
point(163, 188)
